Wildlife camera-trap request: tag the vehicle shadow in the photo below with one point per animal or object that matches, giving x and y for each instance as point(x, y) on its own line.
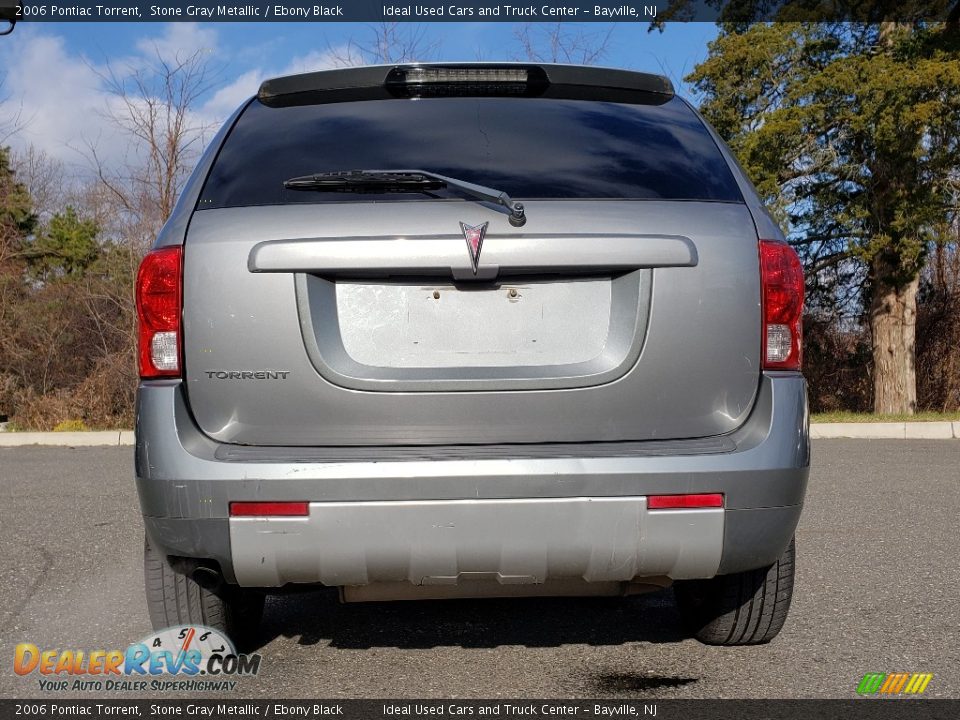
point(319, 617)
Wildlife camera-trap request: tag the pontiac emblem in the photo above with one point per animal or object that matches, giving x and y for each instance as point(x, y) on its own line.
point(474, 237)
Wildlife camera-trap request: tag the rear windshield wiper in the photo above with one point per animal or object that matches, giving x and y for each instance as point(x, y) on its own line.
point(402, 181)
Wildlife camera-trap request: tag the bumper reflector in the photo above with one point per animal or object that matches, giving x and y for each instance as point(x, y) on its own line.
point(268, 509)
point(671, 502)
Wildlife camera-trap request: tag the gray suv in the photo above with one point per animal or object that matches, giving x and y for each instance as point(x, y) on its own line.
point(436, 331)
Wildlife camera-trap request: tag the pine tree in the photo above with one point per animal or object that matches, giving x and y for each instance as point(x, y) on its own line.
point(851, 133)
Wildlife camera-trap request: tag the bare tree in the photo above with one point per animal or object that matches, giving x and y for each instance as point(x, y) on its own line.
point(153, 107)
point(47, 179)
point(11, 121)
point(386, 42)
point(562, 43)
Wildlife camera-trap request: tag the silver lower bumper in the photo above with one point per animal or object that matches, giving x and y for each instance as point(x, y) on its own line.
point(446, 542)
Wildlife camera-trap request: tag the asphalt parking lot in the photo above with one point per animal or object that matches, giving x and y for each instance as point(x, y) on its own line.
point(878, 590)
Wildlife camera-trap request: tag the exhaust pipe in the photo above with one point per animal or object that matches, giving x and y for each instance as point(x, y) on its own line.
point(207, 578)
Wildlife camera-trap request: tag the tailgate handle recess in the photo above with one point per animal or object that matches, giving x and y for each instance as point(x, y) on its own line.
point(446, 255)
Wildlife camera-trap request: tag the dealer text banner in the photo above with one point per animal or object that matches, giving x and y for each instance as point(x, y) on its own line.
point(472, 11)
point(500, 709)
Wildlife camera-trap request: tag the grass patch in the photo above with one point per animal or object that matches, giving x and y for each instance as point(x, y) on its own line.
point(854, 417)
point(71, 426)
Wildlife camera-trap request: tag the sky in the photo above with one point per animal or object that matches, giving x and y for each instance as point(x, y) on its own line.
point(52, 72)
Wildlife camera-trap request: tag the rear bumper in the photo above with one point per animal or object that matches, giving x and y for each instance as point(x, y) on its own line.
point(445, 542)
point(434, 520)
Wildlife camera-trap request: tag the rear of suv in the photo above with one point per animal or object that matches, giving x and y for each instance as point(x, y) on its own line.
point(431, 331)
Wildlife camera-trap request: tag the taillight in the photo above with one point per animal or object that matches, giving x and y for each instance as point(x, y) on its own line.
point(781, 277)
point(158, 312)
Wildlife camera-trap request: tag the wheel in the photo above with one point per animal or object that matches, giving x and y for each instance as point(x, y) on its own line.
point(176, 598)
point(747, 608)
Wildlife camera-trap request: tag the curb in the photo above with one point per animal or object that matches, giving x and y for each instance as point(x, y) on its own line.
point(68, 439)
point(886, 431)
point(818, 431)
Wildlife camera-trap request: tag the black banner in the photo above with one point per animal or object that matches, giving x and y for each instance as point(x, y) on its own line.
point(479, 10)
point(857, 709)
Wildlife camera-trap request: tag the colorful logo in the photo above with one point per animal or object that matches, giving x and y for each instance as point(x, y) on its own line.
point(188, 651)
point(474, 235)
point(890, 684)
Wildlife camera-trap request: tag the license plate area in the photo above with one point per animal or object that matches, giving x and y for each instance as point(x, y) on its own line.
point(434, 335)
point(444, 326)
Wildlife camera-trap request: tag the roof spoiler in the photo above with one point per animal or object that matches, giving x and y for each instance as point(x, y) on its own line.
point(401, 79)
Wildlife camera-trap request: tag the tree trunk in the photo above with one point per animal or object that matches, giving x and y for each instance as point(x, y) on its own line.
point(893, 322)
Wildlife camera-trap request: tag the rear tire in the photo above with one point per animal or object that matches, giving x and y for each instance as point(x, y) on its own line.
point(747, 608)
point(175, 598)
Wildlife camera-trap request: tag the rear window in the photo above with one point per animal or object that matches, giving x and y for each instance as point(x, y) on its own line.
point(531, 148)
